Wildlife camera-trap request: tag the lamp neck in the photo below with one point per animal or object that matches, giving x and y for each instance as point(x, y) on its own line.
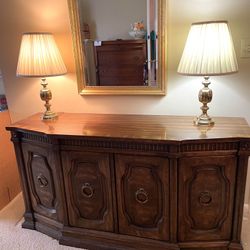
point(206, 81)
point(44, 82)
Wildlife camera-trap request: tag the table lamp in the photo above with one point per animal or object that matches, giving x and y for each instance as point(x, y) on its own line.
point(208, 51)
point(40, 57)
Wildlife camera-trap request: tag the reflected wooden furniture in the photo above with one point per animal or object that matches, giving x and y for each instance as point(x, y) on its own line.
point(134, 182)
point(121, 63)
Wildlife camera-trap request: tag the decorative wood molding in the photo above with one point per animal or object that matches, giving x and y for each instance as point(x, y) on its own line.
point(142, 198)
point(89, 195)
point(142, 146)
point(207, 200)
point(245, 145)
point(175, 147)
point(117, 144)
point(209, 146)
point(89, 199)
point(42, 183)
point(36, 137)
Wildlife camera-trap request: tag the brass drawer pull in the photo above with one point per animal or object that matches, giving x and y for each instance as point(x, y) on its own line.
point(205, 198)
point(43, 182)
point(141, 196)
point(87, 190)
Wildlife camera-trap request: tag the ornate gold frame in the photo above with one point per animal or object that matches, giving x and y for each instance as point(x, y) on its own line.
point(114, 90)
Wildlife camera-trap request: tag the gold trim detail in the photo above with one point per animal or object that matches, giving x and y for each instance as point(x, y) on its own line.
point(83, 89)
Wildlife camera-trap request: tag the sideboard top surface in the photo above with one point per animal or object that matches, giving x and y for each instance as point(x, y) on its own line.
point(148, 127)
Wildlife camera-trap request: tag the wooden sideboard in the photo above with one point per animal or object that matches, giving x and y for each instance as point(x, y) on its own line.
point(134, 181)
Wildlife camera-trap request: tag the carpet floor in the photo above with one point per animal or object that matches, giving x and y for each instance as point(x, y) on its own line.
point(13, 237)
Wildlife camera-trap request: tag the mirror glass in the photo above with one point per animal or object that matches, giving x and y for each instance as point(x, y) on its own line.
point(119, 46)
point(3, 101)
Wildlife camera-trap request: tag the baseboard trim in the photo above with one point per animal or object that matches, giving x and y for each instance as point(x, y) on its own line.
point(246, 212)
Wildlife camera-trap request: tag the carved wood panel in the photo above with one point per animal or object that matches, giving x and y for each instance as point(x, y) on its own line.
point(143, 196)
point(206, 196)
point(39, 169)
point(88, 189)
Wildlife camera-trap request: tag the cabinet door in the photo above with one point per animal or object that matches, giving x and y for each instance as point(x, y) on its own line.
point(206, 197)
point(42, 176)
point(88, 190)
point(143, 196)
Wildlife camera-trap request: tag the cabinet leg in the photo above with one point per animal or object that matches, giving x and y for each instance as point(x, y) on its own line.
point(235, 246)
point(28, 221)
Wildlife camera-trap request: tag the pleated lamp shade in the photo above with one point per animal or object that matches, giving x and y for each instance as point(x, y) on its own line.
point(39, 56)
point(209, 50)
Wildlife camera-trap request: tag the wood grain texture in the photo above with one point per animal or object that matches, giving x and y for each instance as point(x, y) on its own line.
point(89, 194)
point(134, 181)
point(41, 172)
point(143, 196)
point(151, 127)
point(121, 63)
point(206, 193)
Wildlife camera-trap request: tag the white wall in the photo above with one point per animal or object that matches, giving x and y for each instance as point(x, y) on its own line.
point(231, 93)
point(111, 19)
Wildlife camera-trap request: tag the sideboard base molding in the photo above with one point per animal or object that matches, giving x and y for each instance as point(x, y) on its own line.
point(44, 225)
point(223, 245)
point(45, 229)
point(94, 240)
point(235, 246)
point(28, 221)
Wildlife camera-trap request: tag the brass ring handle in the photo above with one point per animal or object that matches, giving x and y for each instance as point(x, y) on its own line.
point(205, 198)
point(43, 182)
point(141, 196)
point(87, 190)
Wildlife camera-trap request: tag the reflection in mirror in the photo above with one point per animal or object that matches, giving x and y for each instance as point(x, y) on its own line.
point(3, 102)
point(114, 41)
point(119, 45)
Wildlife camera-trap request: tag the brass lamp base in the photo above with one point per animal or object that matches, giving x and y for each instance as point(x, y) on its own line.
point(205, 97)
point(49, 115)
point(204, 120)
point(46, 96)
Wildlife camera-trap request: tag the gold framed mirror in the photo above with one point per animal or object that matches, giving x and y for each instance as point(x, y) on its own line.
point(125, 57)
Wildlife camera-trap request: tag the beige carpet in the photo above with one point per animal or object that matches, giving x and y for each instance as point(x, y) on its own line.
point(246, 230)
point(13, 237)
